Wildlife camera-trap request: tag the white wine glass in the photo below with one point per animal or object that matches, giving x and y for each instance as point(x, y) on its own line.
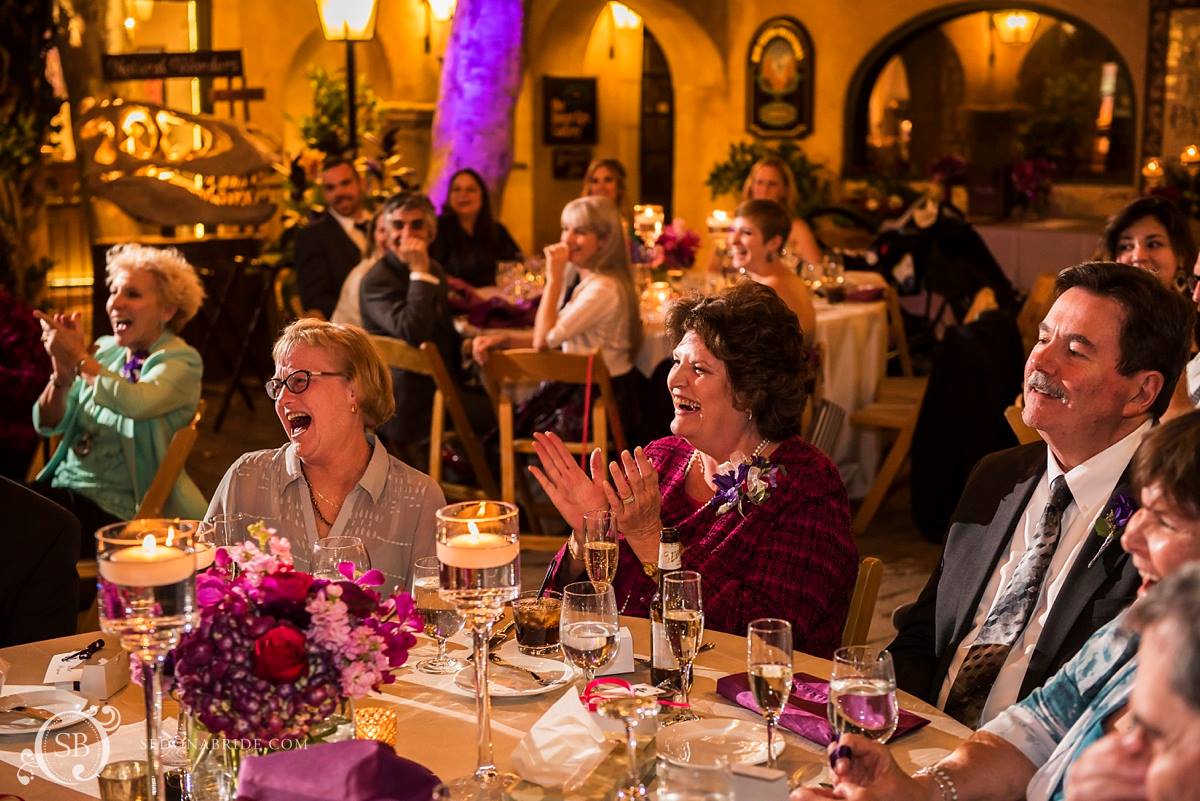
point(588, 627)
point(862, 693)
point(330, 552)
point(441, 620)
point(769, 664)
point(630, 710)
point(683, 618)
point(600, 550)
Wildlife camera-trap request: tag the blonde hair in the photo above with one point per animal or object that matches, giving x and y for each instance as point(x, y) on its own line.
point(613, 166)
point(599, 215)
point(791, 200)
point(177, 282)
point(356, 357)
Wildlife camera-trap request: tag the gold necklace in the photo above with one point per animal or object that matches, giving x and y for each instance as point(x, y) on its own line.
point(313, 495)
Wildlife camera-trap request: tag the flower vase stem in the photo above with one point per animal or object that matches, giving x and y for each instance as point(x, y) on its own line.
point(152, 687)
point(486, 764)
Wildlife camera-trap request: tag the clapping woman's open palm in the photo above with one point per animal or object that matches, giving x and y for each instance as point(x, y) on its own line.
point(571, 491)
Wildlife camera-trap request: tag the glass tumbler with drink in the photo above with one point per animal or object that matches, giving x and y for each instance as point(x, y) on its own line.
point(683, 618)
point(769, 664)
point(600, 553)
point(588, 629)
point(862, 693)
point(441, 619)
point(536, 618)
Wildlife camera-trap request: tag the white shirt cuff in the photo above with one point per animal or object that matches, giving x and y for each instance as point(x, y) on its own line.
point(428, 278)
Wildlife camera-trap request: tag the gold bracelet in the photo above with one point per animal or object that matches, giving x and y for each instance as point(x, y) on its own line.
point(573, 548)
point(79, 365)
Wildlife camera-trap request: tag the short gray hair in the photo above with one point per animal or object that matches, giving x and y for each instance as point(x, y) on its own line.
point(1176, 599)
point(412, 201)
point(177, 282)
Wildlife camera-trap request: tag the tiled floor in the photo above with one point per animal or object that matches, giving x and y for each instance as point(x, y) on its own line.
point(908, 557)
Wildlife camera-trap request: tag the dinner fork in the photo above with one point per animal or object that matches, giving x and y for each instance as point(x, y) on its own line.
point(538, 677)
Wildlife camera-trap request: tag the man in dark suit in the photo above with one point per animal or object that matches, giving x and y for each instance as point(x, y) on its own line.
point(328, 248)
point(1030, 568)
point(39, 596)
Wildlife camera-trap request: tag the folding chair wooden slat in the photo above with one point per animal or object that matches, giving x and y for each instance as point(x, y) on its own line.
point(170, 467)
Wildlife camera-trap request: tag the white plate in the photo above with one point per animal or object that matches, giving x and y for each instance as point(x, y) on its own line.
point(504, 682)
point(739, 741)
point(56, 701)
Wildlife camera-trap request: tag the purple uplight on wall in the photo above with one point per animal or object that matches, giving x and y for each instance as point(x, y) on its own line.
point(481, 76)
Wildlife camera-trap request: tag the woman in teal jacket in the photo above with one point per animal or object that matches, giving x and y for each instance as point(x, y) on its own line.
point(117, 408)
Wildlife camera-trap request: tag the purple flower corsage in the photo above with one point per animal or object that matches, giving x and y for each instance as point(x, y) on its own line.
point(1112, 523)
point(744, 480)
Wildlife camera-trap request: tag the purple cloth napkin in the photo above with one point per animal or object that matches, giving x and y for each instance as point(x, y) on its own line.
point(355, 770)
point(805, 713)
point(499, 313)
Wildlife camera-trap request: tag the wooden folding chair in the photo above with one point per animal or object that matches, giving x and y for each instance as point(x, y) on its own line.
point(427, 360)
point(1012, 415)
point(507, 369)
point(897, 337)
point(170, 467)
point(862, 602)
point(984, 301)
point(1037, 303)
point(896, 407)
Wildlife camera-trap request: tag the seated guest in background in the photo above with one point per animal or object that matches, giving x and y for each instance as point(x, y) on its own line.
point(347, 310)
point(24, 370)
point(771, 179)
point(602, 313)
point(755, 245)
point(118, 409)
point(329, 247)
point(738, 394)
point(606, 178)
point(1026, 751)
point(1023, 581)
point(1153, 234)
point(469, 239)
point(37, 575)
point(1155, 757)
point(1187, 391)
point(333, 478)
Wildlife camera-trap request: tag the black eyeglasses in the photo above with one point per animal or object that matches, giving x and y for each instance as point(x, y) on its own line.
point(297, 382)
point(413, 225)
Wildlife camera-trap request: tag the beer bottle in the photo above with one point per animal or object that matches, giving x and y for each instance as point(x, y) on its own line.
point(663, 666)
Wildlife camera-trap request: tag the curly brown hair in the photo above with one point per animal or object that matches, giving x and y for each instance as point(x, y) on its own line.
point(758, 339)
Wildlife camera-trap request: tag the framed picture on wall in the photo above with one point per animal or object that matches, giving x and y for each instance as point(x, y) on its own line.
point(568, 111)
point(779, 80)
point(1172, 108)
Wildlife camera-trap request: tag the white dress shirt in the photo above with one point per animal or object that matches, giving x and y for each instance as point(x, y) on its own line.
point(1091, 484)
point(348, 225)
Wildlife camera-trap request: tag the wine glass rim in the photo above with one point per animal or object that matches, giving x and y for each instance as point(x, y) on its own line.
point(768, 624)
point(339, 542)
point(587, 589)
point(599, 514)
point(682, 576)
point(427, 562)
point(861, 654)
point(457, 512)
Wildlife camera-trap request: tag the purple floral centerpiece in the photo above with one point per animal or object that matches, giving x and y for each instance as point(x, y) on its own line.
point(678, 245)
point(277, 651)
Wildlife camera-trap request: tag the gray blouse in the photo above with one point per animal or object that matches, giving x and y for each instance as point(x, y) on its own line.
point(391, 509)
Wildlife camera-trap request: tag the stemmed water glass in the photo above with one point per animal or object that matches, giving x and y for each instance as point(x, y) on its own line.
point(479, 550)
point(769, 663)
point(588, 630)
point(688, 781)
point(330, 552)
point(862, 693)
point(629, 709)
point(600, 551)
point(683, 618)
point(147, 581)
point(441, 619)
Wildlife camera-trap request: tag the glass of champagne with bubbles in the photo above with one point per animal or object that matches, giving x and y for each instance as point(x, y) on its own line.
point(588, 627)
point(862, 693)
point(683, 618)
point(600, 546)
point(441, 619)
point(146, 577)
point(769, 663)
point(480, 555)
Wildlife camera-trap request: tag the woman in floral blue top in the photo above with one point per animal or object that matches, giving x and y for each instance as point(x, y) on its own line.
point(1025, 752)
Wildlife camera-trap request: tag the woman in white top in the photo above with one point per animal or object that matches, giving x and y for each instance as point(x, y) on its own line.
point(347, 311)
point(600, 312)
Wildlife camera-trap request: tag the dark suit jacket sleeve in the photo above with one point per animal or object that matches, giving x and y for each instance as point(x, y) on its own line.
point(397, 306)
point(314, 275)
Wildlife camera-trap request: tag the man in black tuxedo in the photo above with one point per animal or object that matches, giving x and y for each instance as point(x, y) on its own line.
point(328, 248)
point(1030, 568)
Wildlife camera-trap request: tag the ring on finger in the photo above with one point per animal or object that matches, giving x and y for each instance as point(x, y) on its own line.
point(627, 500)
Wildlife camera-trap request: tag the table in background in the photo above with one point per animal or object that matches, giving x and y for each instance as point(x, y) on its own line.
point(1028, 249)
point(423, 711)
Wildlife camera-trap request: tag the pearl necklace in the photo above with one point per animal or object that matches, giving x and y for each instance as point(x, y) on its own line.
point(695, 457)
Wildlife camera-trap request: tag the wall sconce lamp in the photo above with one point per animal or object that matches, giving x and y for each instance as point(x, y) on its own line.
point(1016, 26)
point(349, 21)
point(440, 10)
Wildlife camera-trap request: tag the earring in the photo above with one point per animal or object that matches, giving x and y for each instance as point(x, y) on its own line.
point(749, 416)
point(353, 408)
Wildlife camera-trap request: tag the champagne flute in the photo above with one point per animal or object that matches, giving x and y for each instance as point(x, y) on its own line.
point(330, 552)
point(862, 693)
point(629, 709)
point(478, 546)
point(146, 578)
point(588, 628)
point(683, 618)
point(600, 552)
point(441, 619)
point(769, 663)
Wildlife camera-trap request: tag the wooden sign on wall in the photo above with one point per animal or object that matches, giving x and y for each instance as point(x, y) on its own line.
point(568, 111)
point(779, 80)
point(201, 64)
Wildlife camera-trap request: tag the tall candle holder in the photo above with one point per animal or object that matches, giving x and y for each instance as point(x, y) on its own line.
point(648, 222)
point(478, 546)
point(146, 581)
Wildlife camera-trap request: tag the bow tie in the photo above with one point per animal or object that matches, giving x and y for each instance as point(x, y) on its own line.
point(132, 369)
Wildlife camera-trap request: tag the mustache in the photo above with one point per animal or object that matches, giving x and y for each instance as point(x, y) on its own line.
point(1040, 382)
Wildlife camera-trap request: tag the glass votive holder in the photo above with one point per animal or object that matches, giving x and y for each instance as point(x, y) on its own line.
point(375, 723)
point(123, 781)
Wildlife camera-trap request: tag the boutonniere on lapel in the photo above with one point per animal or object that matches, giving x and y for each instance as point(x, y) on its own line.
point(744, 480)
point(1113, 522)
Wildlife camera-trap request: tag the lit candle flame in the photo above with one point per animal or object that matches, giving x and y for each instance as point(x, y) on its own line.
point(482, 509)
point(170, 535)
point(474, 529)
point(148, 544)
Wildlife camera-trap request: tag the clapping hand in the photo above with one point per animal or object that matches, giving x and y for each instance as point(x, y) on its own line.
point(571, 491)
point(63, 340)
point(635, 499)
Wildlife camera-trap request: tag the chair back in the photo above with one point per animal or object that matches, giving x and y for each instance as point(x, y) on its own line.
point(1036, 304)
point(862, 603)
point(287, 300)
point(826, 426)
point(427, 360)
point(897, 337)
point(984, 301)
point(1012, 414)
point(170, 467)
